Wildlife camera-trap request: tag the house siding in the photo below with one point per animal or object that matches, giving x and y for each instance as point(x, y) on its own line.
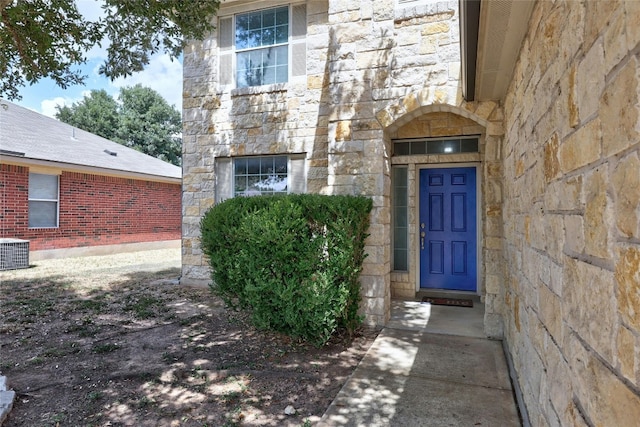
point(572, 214)
point(94, 210)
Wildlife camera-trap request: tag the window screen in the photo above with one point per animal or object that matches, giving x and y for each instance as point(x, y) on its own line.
point(43, 200)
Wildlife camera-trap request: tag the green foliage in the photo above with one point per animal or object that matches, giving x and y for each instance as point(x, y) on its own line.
point(42, 38)
point(141, 120)
point(293, 261)
point(96, 113)
point(49, 38)
point(149, 124)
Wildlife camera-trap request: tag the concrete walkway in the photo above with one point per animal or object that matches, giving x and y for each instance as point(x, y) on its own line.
point(431, 366)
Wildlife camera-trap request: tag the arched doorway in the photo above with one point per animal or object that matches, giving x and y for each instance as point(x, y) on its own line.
point(441, 143)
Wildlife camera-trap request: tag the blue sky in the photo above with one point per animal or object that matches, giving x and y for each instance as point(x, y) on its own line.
point(162, 75)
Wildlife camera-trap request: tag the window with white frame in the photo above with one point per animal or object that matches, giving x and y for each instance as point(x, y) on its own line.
point(263, 47)
point(262, 39)
point(259, 175)
point(43, 200)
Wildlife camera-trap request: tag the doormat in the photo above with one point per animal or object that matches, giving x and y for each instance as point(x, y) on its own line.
point(449, 301)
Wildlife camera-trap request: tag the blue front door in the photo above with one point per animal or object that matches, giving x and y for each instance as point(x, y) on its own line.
point(447, 229)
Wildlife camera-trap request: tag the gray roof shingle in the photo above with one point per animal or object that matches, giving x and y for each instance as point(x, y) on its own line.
point(42, 138)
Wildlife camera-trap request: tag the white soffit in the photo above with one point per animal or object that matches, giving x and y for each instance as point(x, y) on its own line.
point(503, 25)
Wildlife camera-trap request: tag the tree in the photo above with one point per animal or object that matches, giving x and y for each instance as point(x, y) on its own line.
point(49, 38)
point(97, 113)
point(141, 120)
point(149, 124)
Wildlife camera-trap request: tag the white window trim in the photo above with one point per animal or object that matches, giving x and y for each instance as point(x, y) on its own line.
point(233, 171)
point(231, 12)
point(225, 174)
point(233, 9)
point(57, 201)
point(236, 51)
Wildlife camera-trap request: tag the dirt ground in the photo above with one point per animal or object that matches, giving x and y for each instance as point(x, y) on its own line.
point(113, 341)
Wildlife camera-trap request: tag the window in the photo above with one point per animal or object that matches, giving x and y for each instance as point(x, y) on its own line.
point(260, 175)
point(266, 46)
point(261, 47)
point(250, 176)
point(400, 219)
point(43, 200)
point(436, 146)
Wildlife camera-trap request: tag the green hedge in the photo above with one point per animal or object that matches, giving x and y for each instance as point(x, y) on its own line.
point(293, 261)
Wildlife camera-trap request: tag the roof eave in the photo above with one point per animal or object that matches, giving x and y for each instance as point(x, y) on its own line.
point(469, 24)
point(71, 167)
point(492, 34)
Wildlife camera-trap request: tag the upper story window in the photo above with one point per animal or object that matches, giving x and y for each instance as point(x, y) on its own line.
point(43, 200)
point(263, 47)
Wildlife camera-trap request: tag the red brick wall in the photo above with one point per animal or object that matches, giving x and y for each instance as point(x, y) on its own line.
point(94, 210)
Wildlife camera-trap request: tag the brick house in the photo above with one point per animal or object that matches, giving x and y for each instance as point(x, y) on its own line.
point(499, 141)
point(70, 192)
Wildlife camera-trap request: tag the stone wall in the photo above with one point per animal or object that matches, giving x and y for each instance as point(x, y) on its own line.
point(572, 214)
point(372, 67)
point(222, 122)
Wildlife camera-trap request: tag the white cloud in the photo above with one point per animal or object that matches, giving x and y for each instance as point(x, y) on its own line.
point(162, 75)
point(48, 106)
point(92, 10)
point(97, 52)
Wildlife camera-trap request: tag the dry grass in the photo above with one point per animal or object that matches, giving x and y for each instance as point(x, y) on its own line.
point(113, 341)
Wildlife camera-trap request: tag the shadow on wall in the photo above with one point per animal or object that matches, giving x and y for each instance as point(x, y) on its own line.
point(347, 129)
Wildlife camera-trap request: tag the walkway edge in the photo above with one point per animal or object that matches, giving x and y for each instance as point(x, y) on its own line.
point(522, 408)
point(323, 422)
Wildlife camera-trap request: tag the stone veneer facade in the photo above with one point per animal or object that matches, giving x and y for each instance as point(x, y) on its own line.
point(375, 71)
point(559, 174)
point(572, 214)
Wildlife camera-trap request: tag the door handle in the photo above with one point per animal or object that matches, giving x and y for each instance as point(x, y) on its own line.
point(422, 240)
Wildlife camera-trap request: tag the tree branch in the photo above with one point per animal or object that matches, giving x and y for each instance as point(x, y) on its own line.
point(16, 37)
point(5, 3)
